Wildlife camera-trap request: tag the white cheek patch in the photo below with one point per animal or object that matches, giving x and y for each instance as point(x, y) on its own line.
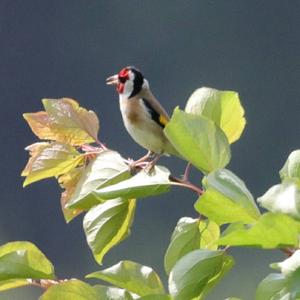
point(131, 76)
point(128, 88)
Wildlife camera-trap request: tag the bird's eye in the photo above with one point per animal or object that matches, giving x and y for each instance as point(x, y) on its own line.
point(122, 79)
point(123, 75)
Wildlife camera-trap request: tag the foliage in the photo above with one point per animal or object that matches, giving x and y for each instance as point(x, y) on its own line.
point(99, 182)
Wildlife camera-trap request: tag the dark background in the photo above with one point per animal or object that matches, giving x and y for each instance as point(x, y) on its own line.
point(67, 48)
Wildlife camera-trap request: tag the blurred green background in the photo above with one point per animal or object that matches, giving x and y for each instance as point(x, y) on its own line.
point(68, 48)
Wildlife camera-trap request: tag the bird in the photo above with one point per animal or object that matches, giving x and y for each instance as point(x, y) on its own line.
point(143, 116)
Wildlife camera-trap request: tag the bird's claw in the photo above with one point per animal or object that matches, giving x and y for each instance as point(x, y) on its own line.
point(131, 165)
point(149, 168)
point(143, 163)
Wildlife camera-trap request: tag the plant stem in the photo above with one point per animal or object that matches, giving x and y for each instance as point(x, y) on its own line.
point(186, 184)
point(289, 252)
point(187, 171)
point(90, 148)
point(46, 283)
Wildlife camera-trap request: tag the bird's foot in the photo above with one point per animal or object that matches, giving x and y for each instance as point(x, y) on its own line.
point(90, 152)
point(144, 158)
point(131, 165)
point(149, 168)
point(141, 163)
point(103, 146)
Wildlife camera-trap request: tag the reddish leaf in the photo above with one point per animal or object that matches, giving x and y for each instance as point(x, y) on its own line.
point(68, 182)
point(64, 121)
point(50, 159)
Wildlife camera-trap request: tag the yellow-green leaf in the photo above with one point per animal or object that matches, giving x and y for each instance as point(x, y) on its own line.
point(199, 140)
point(107, 224)
point(71, 290)
point(134, 277)
point(270, 231)
point(283, 198)
point(69, 182)
point(185, 238)
point(112, 293)
point(209, 234)
point(188, 235)
point(196, 273)
point(291, 168)
point(64, 121)
point(50, 159)
point(226, 199)
point(275, 287)
point(106, 169)
point(21, 261)
point(143, 184)
point(13, 283)
point(222, 107)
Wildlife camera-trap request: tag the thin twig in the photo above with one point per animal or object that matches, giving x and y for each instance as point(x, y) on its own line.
point(90, 148)
point(186, 184)
point(187, 171)
point(289, 252)
point(225, 248)
point(46, 283)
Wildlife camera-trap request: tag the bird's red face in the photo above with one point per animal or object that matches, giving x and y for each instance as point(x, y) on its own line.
point(123, 76)
point(128, 82)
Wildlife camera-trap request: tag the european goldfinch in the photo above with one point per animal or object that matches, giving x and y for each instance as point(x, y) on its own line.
point(143, 116)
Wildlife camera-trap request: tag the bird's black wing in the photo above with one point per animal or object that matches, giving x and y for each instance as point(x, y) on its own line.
point(155, 116)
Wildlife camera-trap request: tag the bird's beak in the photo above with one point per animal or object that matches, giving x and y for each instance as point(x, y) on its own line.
point(112, 80)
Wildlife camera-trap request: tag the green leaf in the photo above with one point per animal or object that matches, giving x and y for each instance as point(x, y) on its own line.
point(136, 278)
point(197, 272)
point(107, 224)
point(48, 160)
point(24, 260)
point(190, 234)
point(226, 199)
point(282, 286)
point(294, 284)
point(291, 168)
point(13, 283)
point(185, 238)
point(273, 287)
point(232, 227)
point(198, 140)
point(106, 169)
point(112, 293)
point(222, 107)
point(143, 184)
point(155, 297)
point(270, 231)
point(70, 290)
point(64, 121)
point(209, 234)
point(289, 265)
point(282, 198)
point(20, 261)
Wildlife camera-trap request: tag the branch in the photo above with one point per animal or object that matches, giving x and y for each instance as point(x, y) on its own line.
point(47, 283)
point(187, 184)
point(288, 251)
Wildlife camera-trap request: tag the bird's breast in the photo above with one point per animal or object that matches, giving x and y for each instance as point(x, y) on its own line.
point(140, 126)
point(131, 110)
